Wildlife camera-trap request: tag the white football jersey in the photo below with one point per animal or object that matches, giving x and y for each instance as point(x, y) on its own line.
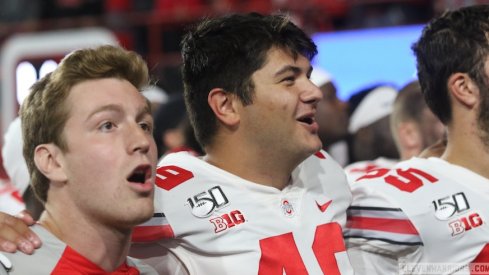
point(423, 216)
point(217, 223)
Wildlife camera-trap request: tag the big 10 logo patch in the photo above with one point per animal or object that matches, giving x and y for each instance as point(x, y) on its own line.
point(456, 209)
point(227, 220)
point(465, 223)
point(205, 203)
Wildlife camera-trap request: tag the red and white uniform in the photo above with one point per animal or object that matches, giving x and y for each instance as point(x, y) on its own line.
point(56, 258)
point(217, 223)
point(423, 214)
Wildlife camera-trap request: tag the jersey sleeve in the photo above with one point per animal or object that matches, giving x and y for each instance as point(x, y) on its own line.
point(378, 233)
point(168, 177)
point(158, 227)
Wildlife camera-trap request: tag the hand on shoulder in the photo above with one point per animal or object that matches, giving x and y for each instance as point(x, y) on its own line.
point(15, 234)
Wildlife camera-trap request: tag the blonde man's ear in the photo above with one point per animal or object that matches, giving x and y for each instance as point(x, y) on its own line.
point(49, 160)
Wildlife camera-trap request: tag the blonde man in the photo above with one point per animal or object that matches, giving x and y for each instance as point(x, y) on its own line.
point(91, 156)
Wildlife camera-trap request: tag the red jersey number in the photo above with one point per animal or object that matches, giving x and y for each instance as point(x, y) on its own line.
point(280, 253)
point(408, 180)
point(169, 177)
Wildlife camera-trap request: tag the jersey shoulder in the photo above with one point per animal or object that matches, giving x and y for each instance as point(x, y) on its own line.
point(320, 173)
point(321, 166)
point(176, 170)
point(187, 188)
point(376, 212)
point(43, 261)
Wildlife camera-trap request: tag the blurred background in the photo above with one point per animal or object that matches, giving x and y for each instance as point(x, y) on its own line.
point(361, 42)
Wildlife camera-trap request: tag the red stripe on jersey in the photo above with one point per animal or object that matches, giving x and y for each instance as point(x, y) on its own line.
point(71, 262)
point(320, 155)
point(16, 195)
point(382, 224)
point(152, 233)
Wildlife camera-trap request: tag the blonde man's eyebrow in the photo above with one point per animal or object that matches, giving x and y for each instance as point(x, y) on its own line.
point(105, 108)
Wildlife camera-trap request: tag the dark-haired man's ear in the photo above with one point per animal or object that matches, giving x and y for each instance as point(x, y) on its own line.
point(223, 104)
point(463, 89)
